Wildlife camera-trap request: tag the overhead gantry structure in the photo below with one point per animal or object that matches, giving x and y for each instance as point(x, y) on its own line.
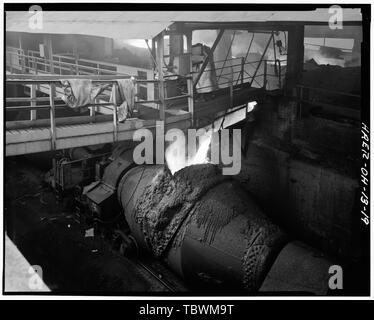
point(181, 108)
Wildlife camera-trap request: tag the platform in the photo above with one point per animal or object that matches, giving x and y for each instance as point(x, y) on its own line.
point(33, 140)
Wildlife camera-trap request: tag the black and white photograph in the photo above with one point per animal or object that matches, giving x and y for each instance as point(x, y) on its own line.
point(183, 150)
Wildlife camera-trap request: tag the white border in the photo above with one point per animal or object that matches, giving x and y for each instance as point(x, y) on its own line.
point(150, 297)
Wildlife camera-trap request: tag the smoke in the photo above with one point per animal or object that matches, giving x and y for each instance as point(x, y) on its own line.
point(201, 155)
point(175, 154)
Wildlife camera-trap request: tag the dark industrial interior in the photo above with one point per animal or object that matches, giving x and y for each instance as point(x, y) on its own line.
point(78, 205)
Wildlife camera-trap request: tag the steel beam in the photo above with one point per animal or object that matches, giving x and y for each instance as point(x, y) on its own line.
point(206, 60)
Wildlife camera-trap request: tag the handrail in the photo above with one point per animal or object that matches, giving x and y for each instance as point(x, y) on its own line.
point(238, 75)
point(31, 62)
point(228, 82)
point(237, 65)
point(103, 63)
point(31, 78)
point(52, 80)
point(65, 64)
point(60, 65)
point(63, 106)
point(302, 97)
point(52, 98)
point(329, 91)
point(56, 79)
point(95, 71)
point(26, 78)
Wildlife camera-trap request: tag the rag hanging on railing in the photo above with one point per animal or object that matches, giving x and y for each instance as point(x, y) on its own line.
point(80, 93)
point(125, 97)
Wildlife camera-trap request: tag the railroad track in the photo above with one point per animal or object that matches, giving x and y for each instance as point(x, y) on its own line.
point(157, 276)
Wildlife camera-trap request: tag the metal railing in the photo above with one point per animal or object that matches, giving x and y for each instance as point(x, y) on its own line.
point(32, 63)
point(63, 64)
point(236, 72)
point(17, 61)
point(53, 82)
point(335, 101)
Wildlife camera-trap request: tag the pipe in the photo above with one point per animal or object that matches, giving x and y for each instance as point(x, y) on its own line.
point(202, 224)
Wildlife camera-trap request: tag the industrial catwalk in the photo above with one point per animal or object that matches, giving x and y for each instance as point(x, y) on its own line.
point(186, 152)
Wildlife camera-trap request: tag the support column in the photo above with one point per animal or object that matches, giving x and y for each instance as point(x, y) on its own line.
point(115, 117)
point(22, 52)
point(33, 102)
point(52, 94)
point(49, 52)
point(176, 48)
point(295, 57)
point(154, 53)
point(160, 63)
point(210, 56)
point(190, 80)
point(222, 57)
point(76, 54)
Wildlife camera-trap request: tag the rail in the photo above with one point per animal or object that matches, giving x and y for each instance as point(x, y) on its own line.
point(64, 67)
point(53, 82)
point(232, 72)
point(336, 102)
point(238, 73)
point(17, 61)
point(51, 106)
point(64, 64)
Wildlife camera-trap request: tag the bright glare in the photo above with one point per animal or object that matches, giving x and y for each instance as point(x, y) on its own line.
point(201, 155)
point(251, 105)
point(140, 43)
point(176, 158)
